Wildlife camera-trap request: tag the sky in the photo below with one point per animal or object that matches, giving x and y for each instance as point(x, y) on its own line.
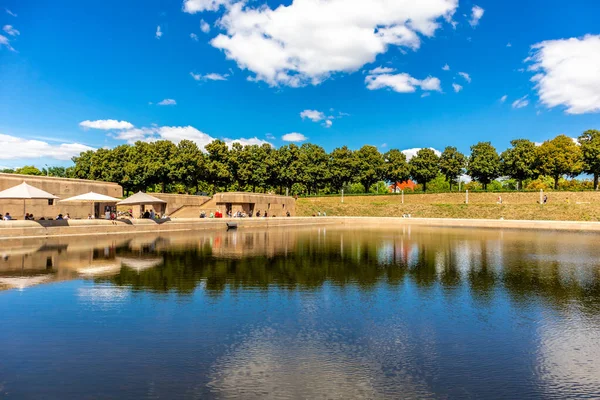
point(394, 74)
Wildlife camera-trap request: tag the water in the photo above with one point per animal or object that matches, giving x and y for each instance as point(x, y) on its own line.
point(302, 313)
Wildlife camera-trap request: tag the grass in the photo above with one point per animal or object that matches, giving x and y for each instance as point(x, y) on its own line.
point(561, 206)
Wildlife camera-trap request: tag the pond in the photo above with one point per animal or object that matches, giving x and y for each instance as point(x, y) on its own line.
point(315, 312)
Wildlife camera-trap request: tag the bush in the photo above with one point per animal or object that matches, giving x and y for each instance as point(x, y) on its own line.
point(379, 188)
point(355, 188)
point(438, 184)
point(541, 183)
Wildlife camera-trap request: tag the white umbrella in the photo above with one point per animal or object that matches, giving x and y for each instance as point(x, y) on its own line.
point(91, 197)
point(140, 198)
point(24, 192)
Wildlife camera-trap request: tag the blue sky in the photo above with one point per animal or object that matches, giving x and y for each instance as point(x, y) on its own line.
point(75, 75)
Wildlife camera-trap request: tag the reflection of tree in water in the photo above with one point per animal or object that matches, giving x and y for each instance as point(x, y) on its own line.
point(346, 259)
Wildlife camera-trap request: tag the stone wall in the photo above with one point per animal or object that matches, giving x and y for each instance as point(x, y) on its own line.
point(61, 187)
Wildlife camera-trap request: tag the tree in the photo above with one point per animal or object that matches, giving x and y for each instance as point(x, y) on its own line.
point(217, 165)
point(316, 169)
point(7, 171)
point(560, 156)
point(452, 164)
point(590, 149)
point(370, 165)
point(424, 166)
point(60, 172)
point(484, 163)
point(290, 168)
point(253, 170)
point(342, 167)
point(188, 165)
point(396, 166)
point(28, 170)
point(519, 161)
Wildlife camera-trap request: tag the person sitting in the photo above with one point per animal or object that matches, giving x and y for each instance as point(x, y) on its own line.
point(26, 216)
point(7, 217)
point(146, 214)
point(202, 214)
point(67, 216)
point(212, 215)
point(90, 216)
point(31, 217)
point(287, 214)
point(258, 214)
point(266, 214)
point(152, 214)
point(59, 217)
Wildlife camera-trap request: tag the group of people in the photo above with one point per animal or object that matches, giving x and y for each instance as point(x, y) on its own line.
point(239, 214)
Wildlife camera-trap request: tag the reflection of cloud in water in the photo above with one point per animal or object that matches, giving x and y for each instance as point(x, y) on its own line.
point(569, 355)
point(102, 294)
point(270, 365)
point(105, 268)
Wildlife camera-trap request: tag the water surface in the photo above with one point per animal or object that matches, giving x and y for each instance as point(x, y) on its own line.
point(322, 312)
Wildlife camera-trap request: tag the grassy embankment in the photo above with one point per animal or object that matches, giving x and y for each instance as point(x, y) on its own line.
point(562, 206)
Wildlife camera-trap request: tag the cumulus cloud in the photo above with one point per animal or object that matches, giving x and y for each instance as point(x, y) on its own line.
point(10, 12)
point(204, 26)
point(567, 73)
point(457, 88)
point(247, 142)
point(503, 98)
point(159, 33)
point(9, 29)
point(521, 103)
point(401, 83)
point(313, 115)
point(6, 43)
point(194, 37)
point(446, 67)
point(307, 41)
point(381, 70)
point(465, 76)
point(209, 77)
point(106, 124)
point(196, 6)
point(509, 44)
point(328, 123)
point(410, 153)
point(28, 149)
point(167, 102)
point(294, 137)
point(476, 14)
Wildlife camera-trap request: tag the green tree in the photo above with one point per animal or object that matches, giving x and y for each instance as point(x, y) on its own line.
point(484, 163)
point(316, 167)
point(519, 161)
point(7, 171)
point(60, 172)
point(253, 169)
point(188, 165)
point(396, 166)
point(28, 170)
point(217, 165)
point(590, 149)
point(370, 165)
point(342, 167)
point(452, 164)
point(290, 168)
point(560, 156)
point(424, 166)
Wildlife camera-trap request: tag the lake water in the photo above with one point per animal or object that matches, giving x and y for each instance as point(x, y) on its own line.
point(322, 312)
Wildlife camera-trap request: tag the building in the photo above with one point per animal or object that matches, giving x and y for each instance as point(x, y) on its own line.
point(61, 187)
point(400, 186)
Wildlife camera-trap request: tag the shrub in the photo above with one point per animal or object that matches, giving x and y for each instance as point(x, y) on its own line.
point(379, 188)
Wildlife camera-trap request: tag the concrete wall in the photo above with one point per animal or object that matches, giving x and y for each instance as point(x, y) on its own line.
point(174, 203)
point(61, 187)
point(244, 202)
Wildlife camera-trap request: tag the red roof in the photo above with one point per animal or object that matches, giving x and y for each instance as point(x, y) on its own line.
point(403, 185)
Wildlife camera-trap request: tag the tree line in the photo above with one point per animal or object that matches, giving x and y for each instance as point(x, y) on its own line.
point(308, 169)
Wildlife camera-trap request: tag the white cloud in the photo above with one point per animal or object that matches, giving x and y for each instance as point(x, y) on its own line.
point(410, 153)
point(313, 115)
point(521, 103)
point(158, 32)
point(567, 73)
point(509, 44)
point(167, 102)
point(6, 43)
point(457, 88)
point(195, 6)
point(294, 137)
point(178, 133)
point(209, 77)
point(476, 14)
point(106, 124)
point(401, 83)
point(193, 36)
point(10, 12)
point(28, 149)
point(466, 76)
point(204, 26)
point(270, 136)
point(426, 94)
point(446, 67)
point(382, 70)
point(9, 29)
point(328, 123)
point(503, 98)
point(307, 41)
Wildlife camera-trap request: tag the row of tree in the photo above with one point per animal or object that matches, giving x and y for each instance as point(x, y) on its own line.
point(185, 168)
